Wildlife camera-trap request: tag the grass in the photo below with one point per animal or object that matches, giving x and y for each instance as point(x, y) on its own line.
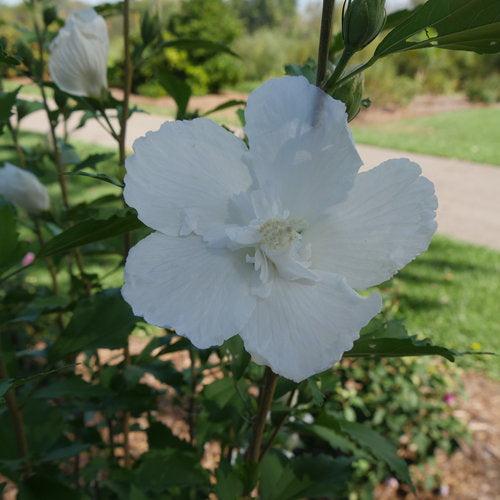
point(471, 134)
point(451, 294)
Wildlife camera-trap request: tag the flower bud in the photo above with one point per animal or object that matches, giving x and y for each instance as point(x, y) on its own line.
point(22, 188)
point(362, 21)
point(351, 94)
point(79, 55)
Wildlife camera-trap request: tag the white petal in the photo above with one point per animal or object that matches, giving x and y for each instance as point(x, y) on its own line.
point(79, 55)
point(186, 167)
point(300, 145)
point(387, 220)
point(301, 330)
point(22, 188)
point(181, 283)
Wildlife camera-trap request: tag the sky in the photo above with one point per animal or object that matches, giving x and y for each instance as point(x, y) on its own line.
point(391, 4)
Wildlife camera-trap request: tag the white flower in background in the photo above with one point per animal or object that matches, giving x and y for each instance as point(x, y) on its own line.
point(79, 55)
point(23, 189)
point(270, 241)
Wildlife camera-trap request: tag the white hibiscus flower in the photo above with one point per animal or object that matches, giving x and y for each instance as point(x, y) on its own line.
point(22, 188)
point(270, 241)
point(79, 55)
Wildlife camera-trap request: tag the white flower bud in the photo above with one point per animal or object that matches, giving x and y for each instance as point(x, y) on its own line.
point(79, 55)
point(23, 189)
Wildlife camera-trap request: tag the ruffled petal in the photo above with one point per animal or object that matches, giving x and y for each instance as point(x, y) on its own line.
point(387, 220)
point(181, 283)
point(301, 330)
point(184, 175)
point(300, 145)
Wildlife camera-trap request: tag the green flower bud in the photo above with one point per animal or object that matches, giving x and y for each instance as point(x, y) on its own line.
point(362, 21)
point(351, 94)
point(49, 15)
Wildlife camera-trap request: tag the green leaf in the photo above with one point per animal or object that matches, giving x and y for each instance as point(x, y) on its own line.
point(90, 231)
point(103, 320)
point(378, 446)
point(39, 486)
point(197, 44)
point(107, 9)
point(392, 340)
point(472, 25)
point(9, 244)
point(100, 177)
point(329, 476)
point(278, 480)
point(178, 89)
point(92, 160)
point(25, 107)
point(161, 437)
point(161, 470)
point(7, 101)
point(70, 387)
point(225, 105)
point(238, 356)
point(220, 392)
point(229, 483)
point(5, 385)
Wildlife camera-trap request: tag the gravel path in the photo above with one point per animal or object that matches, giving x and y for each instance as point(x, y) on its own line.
point(469, 194)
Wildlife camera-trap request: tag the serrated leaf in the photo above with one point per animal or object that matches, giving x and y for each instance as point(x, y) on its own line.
point(92, 160)
point(161, 470)
point(103, 320)
point(472, 25)
point(225, 105)
point(90, 231)
point(99, 177)
point(392, 340)
point(378, 446)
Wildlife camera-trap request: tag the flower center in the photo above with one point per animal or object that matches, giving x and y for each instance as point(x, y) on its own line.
point(278, 234)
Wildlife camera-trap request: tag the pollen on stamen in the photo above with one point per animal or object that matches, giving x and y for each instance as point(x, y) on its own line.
point(278, 234)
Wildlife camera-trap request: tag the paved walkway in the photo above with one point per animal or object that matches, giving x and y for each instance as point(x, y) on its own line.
point(468, 193)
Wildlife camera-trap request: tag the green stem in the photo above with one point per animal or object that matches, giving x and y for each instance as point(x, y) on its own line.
point(339, 69)
point(325, 39)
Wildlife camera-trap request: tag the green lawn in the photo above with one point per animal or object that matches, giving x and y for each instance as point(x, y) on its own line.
point(472, 134)
point(451, 294)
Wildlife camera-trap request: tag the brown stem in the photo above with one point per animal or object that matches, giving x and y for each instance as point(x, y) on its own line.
point(17, 420)
point(56, 152)
point(192, 396)
point(279, 425)
point(265, 402)
point(50, 266)
point(14, 132)
point(127, 84)
point(126, 419)
point(325, 39)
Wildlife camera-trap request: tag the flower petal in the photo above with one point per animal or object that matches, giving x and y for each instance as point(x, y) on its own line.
point(300, 145)
point(300, 330)
point(387, 220)
point(201, 292)
point(79, 55)
point(185, 169)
